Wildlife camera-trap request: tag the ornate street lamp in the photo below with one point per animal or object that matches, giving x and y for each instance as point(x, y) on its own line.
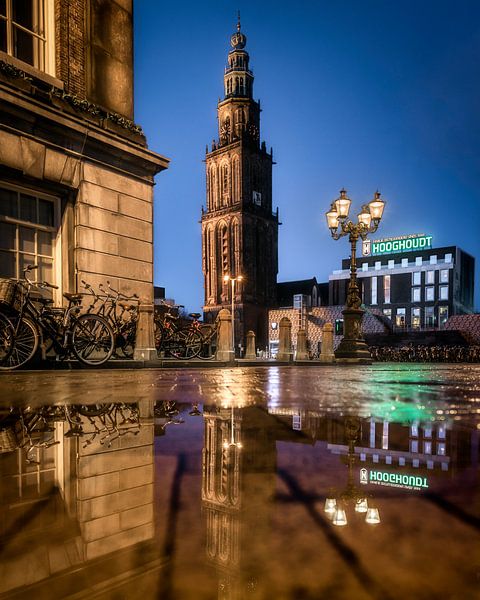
point(353, 348)
point(226, 279)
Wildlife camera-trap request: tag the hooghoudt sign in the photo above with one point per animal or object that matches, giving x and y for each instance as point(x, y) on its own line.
point(405, 243)
point(407, 482)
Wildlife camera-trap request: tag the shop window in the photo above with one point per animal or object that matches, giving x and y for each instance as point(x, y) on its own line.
point(400, 318)
point(444, 276)
point(442, 315)
point(386, 289)
point(429, 294)
point(27, 233)
point(27, 32)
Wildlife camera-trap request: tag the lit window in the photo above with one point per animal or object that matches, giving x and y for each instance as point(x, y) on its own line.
point(448, 258)
point(441, 448)
point(429, 294)
point(430, 277)
point(416, 278)
point(26, 32)
point(427, 432)
point(378, 265)
point(441, 432)
point(416, 294)
point(400, 317)
point(374, 290)
point(387, 312)
point(442, 315)
point(414, 430)
point(404, 262)
point(418, 261)
point(413, 445)
point(433, 259)
point(364, 266)
point(416, 318)
point(444, 292)
point(27, 233)
point(427, 447)
point(386, 289)
point(391, 264)
point(444, 276)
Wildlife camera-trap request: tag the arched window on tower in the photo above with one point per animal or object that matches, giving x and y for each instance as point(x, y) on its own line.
point(225, 183)
point(242, 88)
point(236, 85)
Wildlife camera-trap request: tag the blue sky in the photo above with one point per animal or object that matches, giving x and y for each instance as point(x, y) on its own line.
point(365, 95)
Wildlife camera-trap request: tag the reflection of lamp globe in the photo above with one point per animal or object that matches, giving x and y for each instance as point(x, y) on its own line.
point(373, 516)
point(361, 505)
point(340, 517)
point(330, 505)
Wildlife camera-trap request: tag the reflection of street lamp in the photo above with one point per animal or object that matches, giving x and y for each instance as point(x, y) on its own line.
point(226, 279)
point(335, 506)
point(232, 443)
point(353, 348)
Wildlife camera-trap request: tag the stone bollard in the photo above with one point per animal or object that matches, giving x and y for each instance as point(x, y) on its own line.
point(225, 350)
point(144, 338)
point(251, 353)
point(284, 340)
point(302, 353)
point(327, 354)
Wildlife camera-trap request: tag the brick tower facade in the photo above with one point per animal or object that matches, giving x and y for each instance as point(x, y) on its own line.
point(239, 229)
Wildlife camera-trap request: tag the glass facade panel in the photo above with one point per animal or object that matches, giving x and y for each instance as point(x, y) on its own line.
point(386, 289)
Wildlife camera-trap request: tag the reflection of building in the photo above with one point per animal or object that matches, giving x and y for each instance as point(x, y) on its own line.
point(239, 230)
point(239, 463)
point(76, 177)
point(80, 507)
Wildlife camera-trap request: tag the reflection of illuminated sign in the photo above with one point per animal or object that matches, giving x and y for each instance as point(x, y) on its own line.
point(408, 482)
point(404, 243)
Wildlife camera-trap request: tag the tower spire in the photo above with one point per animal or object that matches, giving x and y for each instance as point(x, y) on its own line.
point(238, 21)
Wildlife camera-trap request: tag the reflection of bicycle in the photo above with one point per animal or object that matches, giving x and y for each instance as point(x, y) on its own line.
point(89, 337)
point(170, 338)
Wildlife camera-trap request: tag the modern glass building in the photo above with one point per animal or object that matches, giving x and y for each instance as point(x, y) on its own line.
point(414, 284)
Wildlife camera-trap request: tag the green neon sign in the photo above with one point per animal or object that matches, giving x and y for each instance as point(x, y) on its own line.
point(400, 244)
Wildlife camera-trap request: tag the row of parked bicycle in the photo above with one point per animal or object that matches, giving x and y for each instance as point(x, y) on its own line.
point(94, 326)
point(422, 353)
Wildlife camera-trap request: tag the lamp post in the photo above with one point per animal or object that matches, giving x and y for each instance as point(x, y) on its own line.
point(352, 348)
point(226, 279)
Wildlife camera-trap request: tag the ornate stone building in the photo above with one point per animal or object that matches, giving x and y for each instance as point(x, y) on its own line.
point(239, 229)
point(76, 175)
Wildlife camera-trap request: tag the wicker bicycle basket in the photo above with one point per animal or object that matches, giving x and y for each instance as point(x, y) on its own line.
point(8, 440)
point(10, 293)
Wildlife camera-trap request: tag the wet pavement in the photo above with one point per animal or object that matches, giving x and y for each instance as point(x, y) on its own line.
point(206, 484)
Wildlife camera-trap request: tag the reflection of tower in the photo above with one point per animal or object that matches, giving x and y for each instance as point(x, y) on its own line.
point(239, 463)
point(239, 230)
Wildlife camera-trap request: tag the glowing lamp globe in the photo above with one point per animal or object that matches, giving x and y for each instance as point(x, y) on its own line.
point(373, 516)
point(342, 204)
point(365, 217)
point(376, 207)
point(340, 517)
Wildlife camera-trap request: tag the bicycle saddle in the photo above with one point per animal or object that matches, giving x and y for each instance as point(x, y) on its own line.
point(195, 315)
point(72, 297)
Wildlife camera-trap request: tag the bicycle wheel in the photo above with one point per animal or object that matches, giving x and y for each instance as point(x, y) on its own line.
point(127, 345)
point(93, 341)
point(7, 334)
point(185, 344)
point(25, 344)
point(209, 342)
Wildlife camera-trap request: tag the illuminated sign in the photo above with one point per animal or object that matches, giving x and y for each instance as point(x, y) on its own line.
point(399, 480)
point(404, 243)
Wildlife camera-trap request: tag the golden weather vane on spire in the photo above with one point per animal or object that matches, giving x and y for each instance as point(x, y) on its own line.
point(238, 20)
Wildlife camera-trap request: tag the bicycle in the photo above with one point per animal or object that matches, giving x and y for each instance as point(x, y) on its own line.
point(89, 337)
point(181, 342)
point(124, 330)
point(209, 334)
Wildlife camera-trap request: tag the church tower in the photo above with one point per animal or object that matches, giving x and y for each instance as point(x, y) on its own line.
point(239, 229)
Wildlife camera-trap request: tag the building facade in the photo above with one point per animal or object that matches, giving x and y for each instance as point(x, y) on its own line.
point(412, 283)
point(76, 176)
point(239, 229)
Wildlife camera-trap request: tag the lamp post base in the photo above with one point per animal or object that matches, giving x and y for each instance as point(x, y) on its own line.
point(353, 348)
